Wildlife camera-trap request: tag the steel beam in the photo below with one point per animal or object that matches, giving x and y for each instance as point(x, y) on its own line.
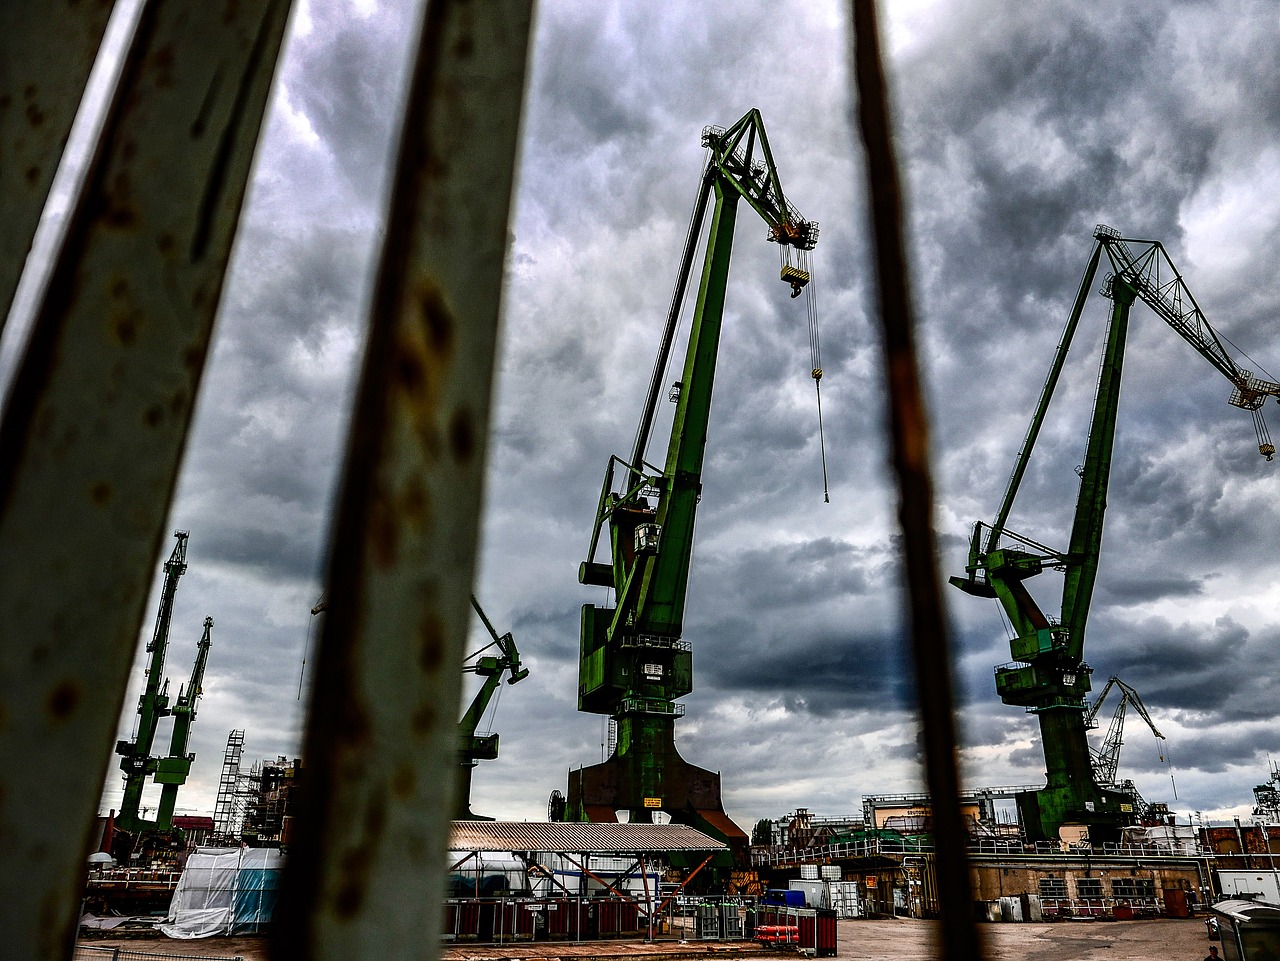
point(366, 871)
point(47, 49)
point(92, 437)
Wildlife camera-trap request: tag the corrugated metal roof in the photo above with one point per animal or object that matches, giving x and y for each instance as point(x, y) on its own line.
point(578, 837)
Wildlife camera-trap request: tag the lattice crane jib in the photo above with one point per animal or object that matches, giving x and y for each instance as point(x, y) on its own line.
point(1048, 675)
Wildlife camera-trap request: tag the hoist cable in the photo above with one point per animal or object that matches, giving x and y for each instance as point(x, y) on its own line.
point(815, 360)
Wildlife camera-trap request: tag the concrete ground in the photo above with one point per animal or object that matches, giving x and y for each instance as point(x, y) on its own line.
point(881, 940)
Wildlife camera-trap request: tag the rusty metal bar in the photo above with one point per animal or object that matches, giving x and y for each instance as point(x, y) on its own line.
point(365, 876)
point(92, 437)
point(47, 49)
point(909, 429)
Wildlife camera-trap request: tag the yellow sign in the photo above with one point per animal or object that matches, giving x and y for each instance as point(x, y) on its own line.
point(653, 802)
point(870, 880)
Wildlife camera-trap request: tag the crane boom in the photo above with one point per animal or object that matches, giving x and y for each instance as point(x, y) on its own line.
point(1048, 675)
point(634, 663)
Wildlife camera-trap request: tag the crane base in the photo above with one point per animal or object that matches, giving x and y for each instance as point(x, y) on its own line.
point(689, 794)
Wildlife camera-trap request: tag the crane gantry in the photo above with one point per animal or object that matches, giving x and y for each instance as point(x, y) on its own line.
point(634, 664)
point(1048, 675)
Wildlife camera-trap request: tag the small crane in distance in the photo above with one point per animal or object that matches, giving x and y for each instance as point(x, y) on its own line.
point(136, 760)
point(473, 747)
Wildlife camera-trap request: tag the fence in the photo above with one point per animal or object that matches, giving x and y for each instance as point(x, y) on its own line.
point(88, 952)
point(578, 919)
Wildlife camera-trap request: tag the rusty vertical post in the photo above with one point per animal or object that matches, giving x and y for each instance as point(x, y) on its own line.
point(909, 430)
point(366, 874)
point(91, 439)
point(47, 48)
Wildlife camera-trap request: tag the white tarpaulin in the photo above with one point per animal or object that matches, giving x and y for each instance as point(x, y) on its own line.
point(224, 891)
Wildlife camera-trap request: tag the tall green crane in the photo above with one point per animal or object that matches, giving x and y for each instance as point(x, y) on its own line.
point(1048, 675)
point(473, 747)
point(634, 664)
point(135, 754)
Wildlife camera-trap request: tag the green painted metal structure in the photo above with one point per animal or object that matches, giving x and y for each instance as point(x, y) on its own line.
point(136, 760)
point(472, 747)
point(634, 664)
point(1048, 675)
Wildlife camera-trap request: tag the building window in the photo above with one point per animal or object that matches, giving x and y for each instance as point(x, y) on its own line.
point(1052, 887)
point(1133, 888)
point(1089, 889)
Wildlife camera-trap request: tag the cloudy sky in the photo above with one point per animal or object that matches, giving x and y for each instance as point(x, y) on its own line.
point(1021, 126)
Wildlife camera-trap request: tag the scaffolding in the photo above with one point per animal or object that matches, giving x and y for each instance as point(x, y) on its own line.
point(228, 810)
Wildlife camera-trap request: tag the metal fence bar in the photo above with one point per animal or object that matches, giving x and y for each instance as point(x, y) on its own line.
point(366, 873)
point(908, 427)
point(46, 52)
point(91, 439)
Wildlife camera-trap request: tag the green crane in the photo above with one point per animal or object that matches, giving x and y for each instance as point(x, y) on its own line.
point(472, 747)
point(135, 755)
point(172, 771)
point(1048, 675)
point(633, 663)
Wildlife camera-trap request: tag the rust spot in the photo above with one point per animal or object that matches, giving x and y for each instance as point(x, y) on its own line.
point(437, 320)
point(35, 116)
point(382, 533)
point(29, 91)
point(431, 650)
point(403, 781)
point(101, 493)
point(414, 502)
point(465, 46)
point(64, 699)
point(349, 899)
point(154, 416)
point(162, 63)
point(125, 329)
point(33, 175)
point(5, 101)
point(119, 216)
point(462, 435)
point(423, 720)
point(120, 288)
point(167, 244)
point(410, 371)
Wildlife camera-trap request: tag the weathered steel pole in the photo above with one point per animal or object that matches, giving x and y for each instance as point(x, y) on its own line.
point(92, 437)
point(366, 871)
